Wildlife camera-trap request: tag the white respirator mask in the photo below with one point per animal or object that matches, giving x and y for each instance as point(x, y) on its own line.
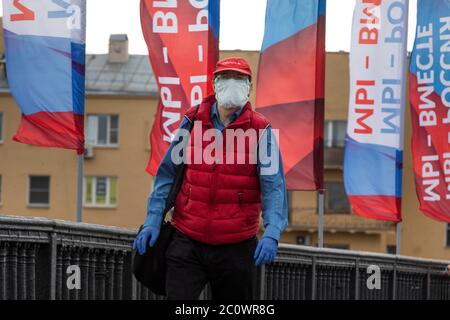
point(232, 93)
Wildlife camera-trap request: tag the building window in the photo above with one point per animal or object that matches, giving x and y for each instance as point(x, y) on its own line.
point(39, 191)
point(335, 132)
point(102, 130)
point(391, 249)
point(336, 200)
point(100, 191)
point(448, 235)
point(1, 127)
point(0, 189)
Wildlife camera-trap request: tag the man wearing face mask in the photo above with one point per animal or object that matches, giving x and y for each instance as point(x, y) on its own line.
point(216, 213)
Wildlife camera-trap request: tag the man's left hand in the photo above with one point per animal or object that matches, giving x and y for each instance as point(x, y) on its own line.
point(266, 251)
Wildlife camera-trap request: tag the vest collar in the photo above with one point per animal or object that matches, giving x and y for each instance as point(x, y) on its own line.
point(204, 113)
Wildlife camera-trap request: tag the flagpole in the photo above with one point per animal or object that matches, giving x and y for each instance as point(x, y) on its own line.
point(80, 162)
point(404, 71)
point(321, 216)
point(399, 238)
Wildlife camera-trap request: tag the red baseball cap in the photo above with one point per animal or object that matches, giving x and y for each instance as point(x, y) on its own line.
point(233, 64)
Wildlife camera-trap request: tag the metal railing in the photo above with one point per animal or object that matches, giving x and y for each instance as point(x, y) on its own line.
point(331, 274)
point(35, 254)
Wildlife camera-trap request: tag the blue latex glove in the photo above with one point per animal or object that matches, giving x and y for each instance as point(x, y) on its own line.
point(266, 251)
point(148, 234)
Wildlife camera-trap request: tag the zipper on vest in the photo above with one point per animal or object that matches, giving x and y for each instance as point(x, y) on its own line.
point(212, 198)
point(188, 196)
point(240, 198)
point(212, 190)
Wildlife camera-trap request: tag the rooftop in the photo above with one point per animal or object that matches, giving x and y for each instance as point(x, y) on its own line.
point(134, 78)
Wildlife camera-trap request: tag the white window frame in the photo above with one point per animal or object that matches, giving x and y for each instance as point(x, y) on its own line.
point(2, 118)
point(108, 144)
point(38, 205)
point(329, 139)
point(94, 191)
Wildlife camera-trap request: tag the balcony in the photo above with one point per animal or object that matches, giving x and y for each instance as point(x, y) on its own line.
point(36, 252)
point(307, 219)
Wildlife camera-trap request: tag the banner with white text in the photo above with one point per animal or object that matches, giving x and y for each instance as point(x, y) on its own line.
point(183, 44)
point(374, 142)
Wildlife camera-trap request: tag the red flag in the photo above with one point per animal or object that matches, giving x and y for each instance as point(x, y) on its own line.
point(290, 86)
point(182, 39)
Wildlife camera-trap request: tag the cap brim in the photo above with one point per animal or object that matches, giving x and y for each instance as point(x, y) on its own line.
point(233, 69)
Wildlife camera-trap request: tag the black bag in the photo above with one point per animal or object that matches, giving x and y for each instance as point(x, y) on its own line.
point(150, 268)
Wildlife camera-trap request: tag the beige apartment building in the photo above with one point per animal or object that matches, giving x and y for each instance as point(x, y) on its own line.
point(121, 101)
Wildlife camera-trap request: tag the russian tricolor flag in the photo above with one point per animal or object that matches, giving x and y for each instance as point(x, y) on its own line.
point(45, 62)
point(373, 163)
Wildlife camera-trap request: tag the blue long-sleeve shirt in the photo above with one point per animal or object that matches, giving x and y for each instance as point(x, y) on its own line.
point(273, 186)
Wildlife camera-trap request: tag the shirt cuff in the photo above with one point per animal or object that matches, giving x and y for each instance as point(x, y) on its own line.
point(272, 232)
point(153, 220)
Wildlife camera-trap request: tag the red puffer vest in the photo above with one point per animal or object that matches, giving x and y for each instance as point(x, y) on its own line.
point(220, 203)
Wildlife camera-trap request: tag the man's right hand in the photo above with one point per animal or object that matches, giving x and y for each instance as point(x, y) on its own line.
point(148, 234)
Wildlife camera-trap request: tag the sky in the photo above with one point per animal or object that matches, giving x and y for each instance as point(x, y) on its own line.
point(242, 24)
